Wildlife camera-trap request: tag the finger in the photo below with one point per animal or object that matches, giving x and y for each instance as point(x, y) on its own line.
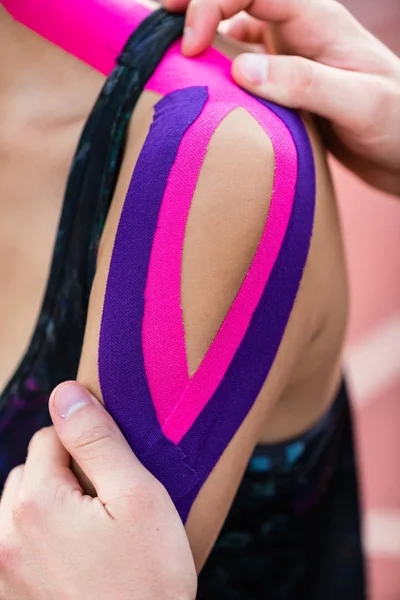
point(320, 29)
point(10, 492)
point(244, 29)
point(276, 10)
point(47, 463)
point(94, 441)
point(203, 16)
point(300, 83)
point(328, 33)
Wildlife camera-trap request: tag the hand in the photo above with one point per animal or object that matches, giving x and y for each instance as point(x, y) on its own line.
point(56, 542)
point(328, 65)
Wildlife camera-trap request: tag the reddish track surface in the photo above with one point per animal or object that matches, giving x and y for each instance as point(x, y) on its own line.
point(371, 225)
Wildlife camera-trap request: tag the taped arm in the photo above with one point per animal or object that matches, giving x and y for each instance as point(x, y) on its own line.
point(174, 294)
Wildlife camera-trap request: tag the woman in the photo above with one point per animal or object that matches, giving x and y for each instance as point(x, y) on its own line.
point(253, 354)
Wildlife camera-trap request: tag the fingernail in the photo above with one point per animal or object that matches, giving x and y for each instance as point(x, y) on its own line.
point(254, 67)
point(68, 398)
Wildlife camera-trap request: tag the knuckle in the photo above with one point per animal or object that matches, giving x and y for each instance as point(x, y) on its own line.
point(93, 440)
point(394, 97)
point(55, 496)
point(40, 437)
point(304, 82)
point(26, 509)
point(338, 10)
point(389, 107)
point(15, 474)
point(381, 102)
point(384, 96)
point(334, 14)
point(32, 508)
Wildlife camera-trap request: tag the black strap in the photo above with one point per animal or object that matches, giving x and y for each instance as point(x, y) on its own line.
point(58, 336)
point(95, 178)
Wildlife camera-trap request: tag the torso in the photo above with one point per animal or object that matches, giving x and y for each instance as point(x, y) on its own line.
point(31, 188)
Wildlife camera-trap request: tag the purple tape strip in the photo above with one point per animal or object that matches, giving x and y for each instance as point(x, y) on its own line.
point(184, 468)
point(211, 433)
point(121, 365)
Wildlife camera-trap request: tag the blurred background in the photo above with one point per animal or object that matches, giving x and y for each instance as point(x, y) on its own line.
point(371, 226)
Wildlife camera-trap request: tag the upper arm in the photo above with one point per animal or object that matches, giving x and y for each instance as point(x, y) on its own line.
point(222, 233)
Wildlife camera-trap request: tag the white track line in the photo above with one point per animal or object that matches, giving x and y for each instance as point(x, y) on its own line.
point(382, 533)
point(373, 363)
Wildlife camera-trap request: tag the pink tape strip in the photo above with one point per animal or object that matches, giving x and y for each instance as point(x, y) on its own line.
point(94, 31)
point(178, 400)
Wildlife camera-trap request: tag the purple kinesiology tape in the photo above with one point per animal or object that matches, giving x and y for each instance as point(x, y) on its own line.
point(183, 467)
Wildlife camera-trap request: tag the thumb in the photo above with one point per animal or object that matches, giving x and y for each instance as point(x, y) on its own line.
point(94, 441)
point(344, 97)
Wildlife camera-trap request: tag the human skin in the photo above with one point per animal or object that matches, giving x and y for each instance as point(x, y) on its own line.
point(326, 63)
point(57, 542)
point(52, 94)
